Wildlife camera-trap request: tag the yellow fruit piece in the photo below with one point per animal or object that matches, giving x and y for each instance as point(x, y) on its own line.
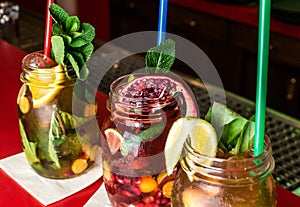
point(24, 104)
point(106, 170)
point(45, 83)
point(161, 176)
point(148, 184)
point(167, 189)
point(79, 166)
point(202, 136)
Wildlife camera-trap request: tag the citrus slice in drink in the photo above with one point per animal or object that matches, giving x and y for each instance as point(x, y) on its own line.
point(202, 136)
point(114, 139)
point(45, 84)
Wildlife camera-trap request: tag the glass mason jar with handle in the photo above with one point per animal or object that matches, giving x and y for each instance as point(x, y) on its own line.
point(239, 181)
point(55, 138)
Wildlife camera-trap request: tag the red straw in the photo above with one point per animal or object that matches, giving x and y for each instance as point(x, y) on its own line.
point(48, 30)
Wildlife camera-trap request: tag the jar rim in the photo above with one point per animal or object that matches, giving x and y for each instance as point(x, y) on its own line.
point(215, 163)
point(32, 74)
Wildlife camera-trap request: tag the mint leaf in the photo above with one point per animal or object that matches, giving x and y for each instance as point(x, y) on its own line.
point(160, 59)
point(77, 39)
point(73, 63)
point(87, 51)
point(55, 134)
point(78, 64)
point(29, 147)
point(75, 35)
point(152, 132)
point(235, 132)
point(219, 115)
point(72, 24)
point(88, 32)
point(58, 49)
point(57, 29)
point(247, 137)
point(72, 121)
point(130, 140)
point(78, 42)
point(58, 14)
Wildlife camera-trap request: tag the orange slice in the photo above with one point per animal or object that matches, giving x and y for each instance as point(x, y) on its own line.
point(45, 84)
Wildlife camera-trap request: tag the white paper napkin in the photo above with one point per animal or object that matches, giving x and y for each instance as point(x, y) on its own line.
point(99, 199)
point(17, 167)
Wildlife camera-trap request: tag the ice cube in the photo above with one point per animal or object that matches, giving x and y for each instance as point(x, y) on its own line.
point(39, 60)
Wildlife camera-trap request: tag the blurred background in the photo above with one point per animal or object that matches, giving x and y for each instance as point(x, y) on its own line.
point(226, 30)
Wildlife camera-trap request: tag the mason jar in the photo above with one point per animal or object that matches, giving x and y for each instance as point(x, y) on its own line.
point(135, 133)
point(239, 181)
point(55, 134)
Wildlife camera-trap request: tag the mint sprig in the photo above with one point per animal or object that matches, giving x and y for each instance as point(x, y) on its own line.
point(236, 133)
point(71, 41)
point(160, 59)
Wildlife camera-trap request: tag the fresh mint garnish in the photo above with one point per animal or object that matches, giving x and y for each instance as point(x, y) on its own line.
point(71, 41)
point(130, 140)
point(235, 133)
point(29, 147)
point(160, 59)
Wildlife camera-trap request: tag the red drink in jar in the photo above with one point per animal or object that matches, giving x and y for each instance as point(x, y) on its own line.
point(142, 109)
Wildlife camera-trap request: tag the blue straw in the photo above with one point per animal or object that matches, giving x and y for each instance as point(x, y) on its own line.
point(262, 75)
point(162, 21)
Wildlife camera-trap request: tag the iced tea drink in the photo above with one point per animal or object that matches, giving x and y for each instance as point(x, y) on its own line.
point(58, 141)
point(142, 109)
point(235, 181)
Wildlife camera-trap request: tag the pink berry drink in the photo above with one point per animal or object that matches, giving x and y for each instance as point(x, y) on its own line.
point(142, 109)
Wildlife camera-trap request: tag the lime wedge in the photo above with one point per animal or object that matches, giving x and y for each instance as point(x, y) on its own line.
point(202, 135)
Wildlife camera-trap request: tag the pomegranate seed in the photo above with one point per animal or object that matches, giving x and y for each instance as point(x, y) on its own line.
point(140, 205)
point(164, 201)
point(136, 182)
point(148, 199)
point(158, 194)
point(127, 181)
point(119, 180)
point(153, 205)
point(126, 193)
point(157, 201)
point(168, 204)
point(136, 191)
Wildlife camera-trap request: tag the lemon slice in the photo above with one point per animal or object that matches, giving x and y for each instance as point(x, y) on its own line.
point(44, 84)
point(202, 136)
point(114, 139)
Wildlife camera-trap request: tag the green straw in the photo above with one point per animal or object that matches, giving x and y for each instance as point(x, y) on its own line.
point(262, 75)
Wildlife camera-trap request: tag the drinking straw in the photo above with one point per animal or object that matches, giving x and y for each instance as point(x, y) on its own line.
point(48, 29)
point(262, 74)
point(162, 21)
